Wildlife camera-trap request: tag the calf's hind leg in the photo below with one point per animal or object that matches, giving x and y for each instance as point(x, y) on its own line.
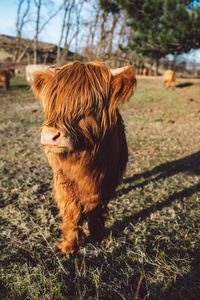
point(96, 222)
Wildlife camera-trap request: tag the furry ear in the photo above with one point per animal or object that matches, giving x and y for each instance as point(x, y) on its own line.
point(41, 78)
point(123, 85)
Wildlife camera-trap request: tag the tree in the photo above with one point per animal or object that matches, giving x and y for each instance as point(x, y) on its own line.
point(106, 29)
point(40, 26)
point(92, 32)
point(110, 6)
point(111, 11)
point(38, 6)
point(66, 6)
point(72, 22)
point(22, 19)
point(163, 27)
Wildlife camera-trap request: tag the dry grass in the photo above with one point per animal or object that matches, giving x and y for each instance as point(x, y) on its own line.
point(153, 232)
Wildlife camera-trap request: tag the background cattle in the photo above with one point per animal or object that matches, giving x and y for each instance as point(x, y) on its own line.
point(84, 139)
point(145, 71)
point(6, 76)
point(169, 77)
point(31, 69)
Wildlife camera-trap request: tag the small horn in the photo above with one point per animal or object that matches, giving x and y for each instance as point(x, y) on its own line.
point(118, 70)
point(53, 68)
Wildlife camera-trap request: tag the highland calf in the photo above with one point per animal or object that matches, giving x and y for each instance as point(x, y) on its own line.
point(84, 138)
point(169, 77)
point(6, 76)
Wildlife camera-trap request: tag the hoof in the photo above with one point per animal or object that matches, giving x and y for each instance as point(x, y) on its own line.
point(66, 248)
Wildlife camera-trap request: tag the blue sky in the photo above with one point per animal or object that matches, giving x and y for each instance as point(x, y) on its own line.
point(7, 17)
point(8, 14)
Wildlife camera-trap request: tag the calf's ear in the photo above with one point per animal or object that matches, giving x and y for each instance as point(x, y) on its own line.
point(123, 85)
point(40, 80)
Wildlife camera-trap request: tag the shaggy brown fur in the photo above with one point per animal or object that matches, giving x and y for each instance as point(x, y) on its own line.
point(6, 76)
point(169, 77)
point(84, 139)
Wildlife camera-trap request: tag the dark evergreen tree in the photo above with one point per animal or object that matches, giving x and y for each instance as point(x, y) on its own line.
point(161, 27)
point(110, 6)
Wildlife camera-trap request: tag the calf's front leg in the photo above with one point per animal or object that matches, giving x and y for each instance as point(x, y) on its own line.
point(72, 234)
point(71, 212)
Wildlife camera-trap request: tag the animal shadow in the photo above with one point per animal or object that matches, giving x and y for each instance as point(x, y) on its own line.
point(20, 86)
point(185, 84)
point(187, 286)
point(189, 164)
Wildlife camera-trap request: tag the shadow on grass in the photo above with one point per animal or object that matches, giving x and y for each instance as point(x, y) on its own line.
point(20, 86)
point(184, 286)
point(187, 286)
point(121, 225)
point(185, 84)
point(189, 164)
point(15, 87)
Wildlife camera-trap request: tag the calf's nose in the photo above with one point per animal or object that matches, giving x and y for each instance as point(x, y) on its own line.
point(50, 136)
point(56, 136)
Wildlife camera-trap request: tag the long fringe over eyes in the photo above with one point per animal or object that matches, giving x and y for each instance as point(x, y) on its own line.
point(76, 91)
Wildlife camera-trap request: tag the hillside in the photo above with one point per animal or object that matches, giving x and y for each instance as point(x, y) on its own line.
point(46, 51)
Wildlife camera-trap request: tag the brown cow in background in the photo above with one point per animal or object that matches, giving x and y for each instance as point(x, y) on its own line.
point(169, 77)
point(6, 76)
point(145, 71)
point(84, 139)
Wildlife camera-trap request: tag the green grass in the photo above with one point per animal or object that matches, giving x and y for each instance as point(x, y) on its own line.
point(153, 231)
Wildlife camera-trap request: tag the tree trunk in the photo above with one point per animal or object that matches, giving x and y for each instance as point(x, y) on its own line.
point(91, 36)
point(17, 49)
point(101, 44)
point(62, 32)
point(20, 22)
point(35, 47)
point(114, 23)
point(22, 54)
point(157, 66)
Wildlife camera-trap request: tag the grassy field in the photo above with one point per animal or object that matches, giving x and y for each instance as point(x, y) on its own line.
point(152, 248)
